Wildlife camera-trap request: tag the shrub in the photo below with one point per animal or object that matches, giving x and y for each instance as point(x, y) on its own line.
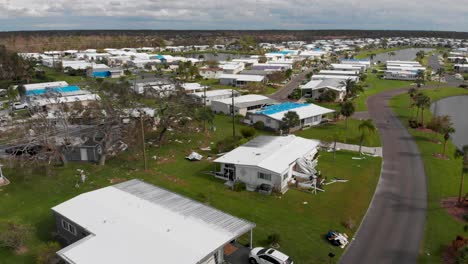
point(310, 101)
point(413, 123)
point(259, 125)
point(227, 144)
point(328, 96)
point(201, 197)
point(349, 224)
point(296, 94)
point(239, 186)
point(46, 254)
point(15, 235)
point(465, 217)
point(248, 132)
point(273, 238)
point(462, 255)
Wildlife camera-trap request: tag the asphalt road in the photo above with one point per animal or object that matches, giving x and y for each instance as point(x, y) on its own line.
point(393, 227)
point(282, 94)
point(450, 79)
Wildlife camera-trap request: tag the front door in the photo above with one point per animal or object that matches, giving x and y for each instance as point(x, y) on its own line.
point(84, 154)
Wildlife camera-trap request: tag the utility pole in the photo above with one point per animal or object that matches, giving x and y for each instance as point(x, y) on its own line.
point(204, 109)
point(143, 139)
point(233, 117)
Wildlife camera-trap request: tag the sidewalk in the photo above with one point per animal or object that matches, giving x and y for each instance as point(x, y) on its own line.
point(377, 151)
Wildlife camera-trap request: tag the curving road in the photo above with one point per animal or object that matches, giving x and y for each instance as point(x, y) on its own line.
point(393, 227)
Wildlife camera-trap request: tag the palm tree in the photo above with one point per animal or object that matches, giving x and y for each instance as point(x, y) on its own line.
point(412, 93)
point(420, 77)
point(366, 128)
point(291, 119)
point(464, 171)
point(349, 85)
point(446, 132)
point(423, 102)
point(12, 94)
point(347, 110)
point(440, 72)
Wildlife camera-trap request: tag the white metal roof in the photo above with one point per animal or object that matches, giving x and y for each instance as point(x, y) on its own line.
point(310, 110)
point(344, 77)
point(402, 62)
point(247, 100)
point(348, 66)
point(273, 153)
point(214, 93)
point(136, 222)
point(243, 77)
point(335, 84)
point(39, 86)
point(193, 86)
point(41, 101)
point(336, 72)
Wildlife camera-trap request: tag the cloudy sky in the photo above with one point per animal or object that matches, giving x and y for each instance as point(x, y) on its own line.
point(450, 15)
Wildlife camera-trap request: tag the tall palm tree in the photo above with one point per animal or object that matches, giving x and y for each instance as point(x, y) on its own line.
point(447, 131)
point(349, 85)
point(463, 172)
point(366, 128)
point(347, 110)
point(420, 77)
point(412, 93)
point(440, 72)
point(423, 102)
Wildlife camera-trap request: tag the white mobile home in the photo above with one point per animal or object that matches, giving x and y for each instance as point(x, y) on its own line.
point(461, 68)
point(240, 79)
point(136, 222)
point(348, 67)
point(401, 75)
point(337, 72)
point(271, 116)
point(242, 104)
point(213, 95)
point(342, 77)
point(315, 88)
point(267, 160)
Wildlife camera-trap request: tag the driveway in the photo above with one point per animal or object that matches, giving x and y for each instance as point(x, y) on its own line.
point(393, 227)
point(240, 254)
point(282, 94)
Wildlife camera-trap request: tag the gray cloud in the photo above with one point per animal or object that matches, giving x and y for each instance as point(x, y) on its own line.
point(239, 14)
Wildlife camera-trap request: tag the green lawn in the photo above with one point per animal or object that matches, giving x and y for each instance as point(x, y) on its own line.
point(60, 76)
point(301, 226)
point(376, 85)
point(214, 84)
point(443, 178)
point(366, 53)
point(349, 134)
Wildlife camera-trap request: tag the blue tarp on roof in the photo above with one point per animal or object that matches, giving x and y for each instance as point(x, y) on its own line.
point(66, 89)
point(101, 74)
point(273, 109)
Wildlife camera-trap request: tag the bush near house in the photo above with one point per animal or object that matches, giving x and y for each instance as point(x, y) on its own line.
point(14, 235)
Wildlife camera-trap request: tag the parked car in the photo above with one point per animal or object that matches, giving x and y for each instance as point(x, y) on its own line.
point(19, 106)
point(260, 255)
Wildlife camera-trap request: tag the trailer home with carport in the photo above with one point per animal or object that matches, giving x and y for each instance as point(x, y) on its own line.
point(213, 95)
point(242, 104)
point(136, 222)
point(268, 161)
